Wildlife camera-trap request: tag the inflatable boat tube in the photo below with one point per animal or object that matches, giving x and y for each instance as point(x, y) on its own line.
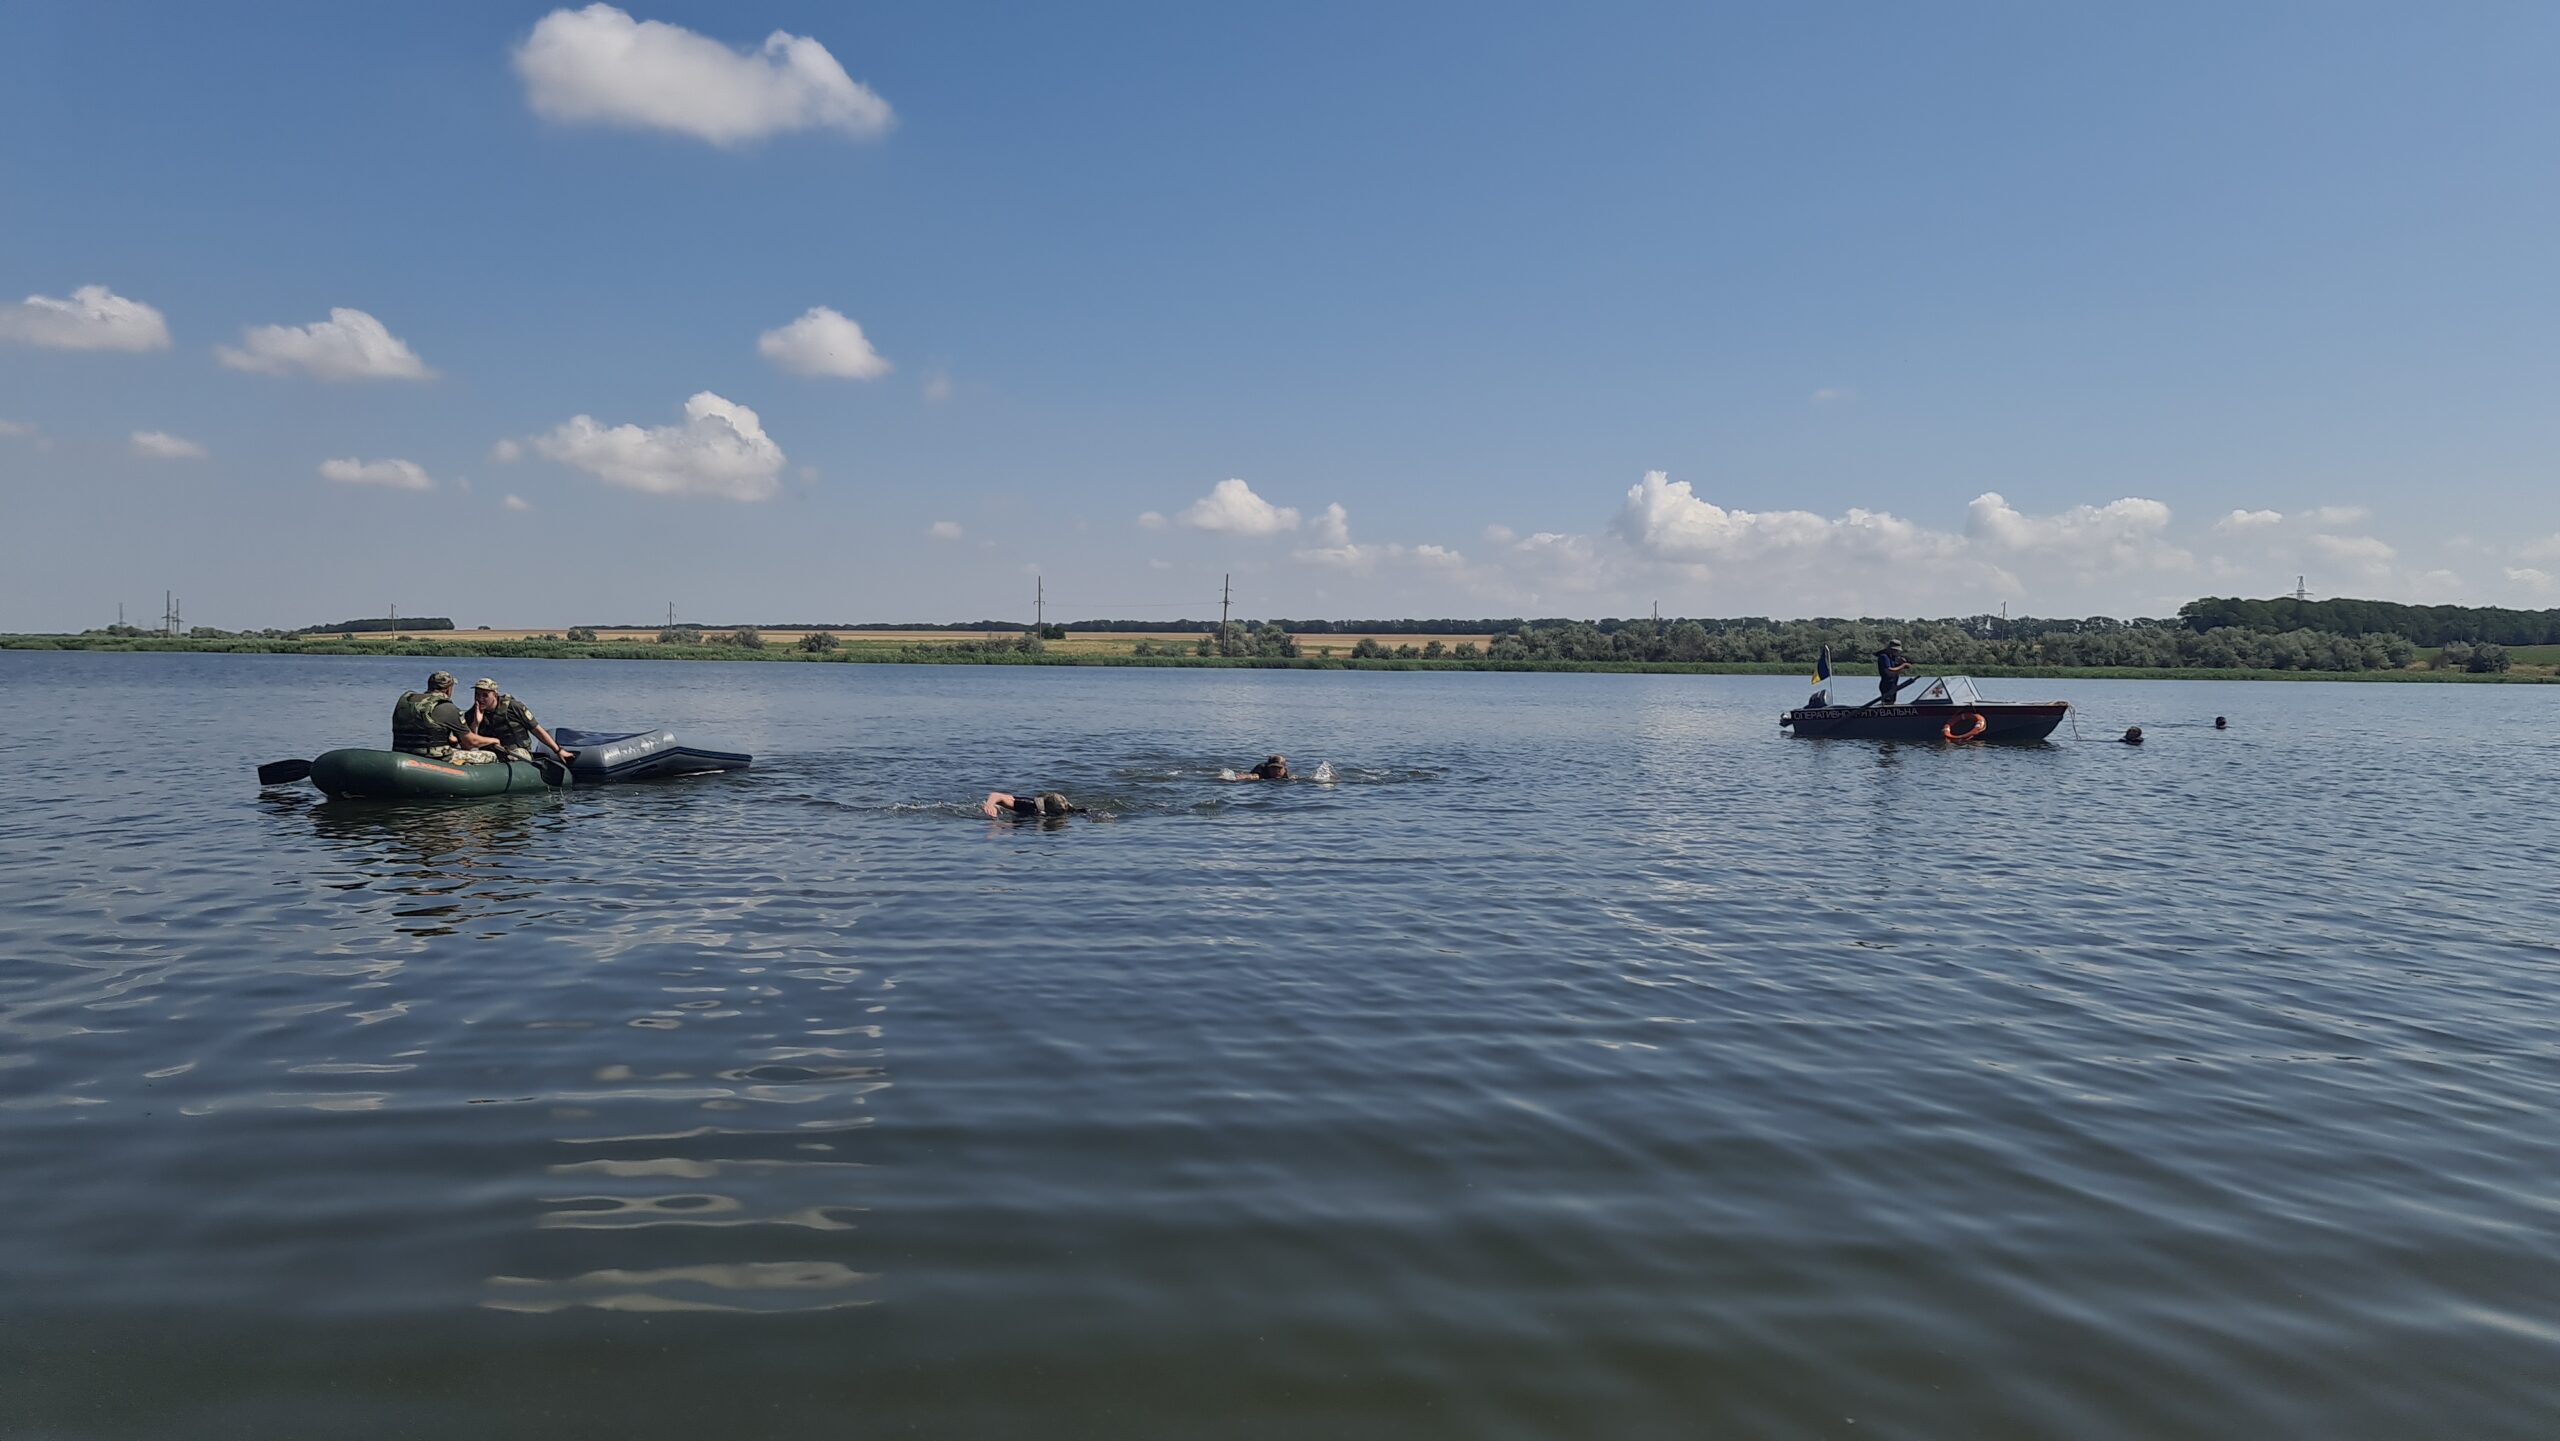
point(387, 775)
point(642, 755)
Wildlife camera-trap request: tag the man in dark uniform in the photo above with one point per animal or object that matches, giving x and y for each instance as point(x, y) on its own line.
point(509, 722)
point(428, 723)
point(1891, 668)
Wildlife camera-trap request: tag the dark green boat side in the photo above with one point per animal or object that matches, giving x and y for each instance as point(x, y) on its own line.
point(387, 775)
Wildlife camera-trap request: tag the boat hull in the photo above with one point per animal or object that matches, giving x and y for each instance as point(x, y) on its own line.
point(393, 775)
point(2000, 721)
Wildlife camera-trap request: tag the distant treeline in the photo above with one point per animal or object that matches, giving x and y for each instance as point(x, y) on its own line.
point(1131, 627)
point(1938, 646)
point(405, 625)
point(2422, 624)
point(2258, 634)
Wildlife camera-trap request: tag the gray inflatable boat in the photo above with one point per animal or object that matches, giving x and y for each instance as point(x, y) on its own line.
point(603, 758)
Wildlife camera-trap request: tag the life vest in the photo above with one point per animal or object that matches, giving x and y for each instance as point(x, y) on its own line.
point(413, 723)
point(508, 723)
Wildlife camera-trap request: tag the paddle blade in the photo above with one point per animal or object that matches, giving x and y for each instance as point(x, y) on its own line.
point(554, 774)
point(283, 773)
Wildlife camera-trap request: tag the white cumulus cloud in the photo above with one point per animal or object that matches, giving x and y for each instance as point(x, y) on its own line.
point(94, 318)
point(517, 502)
point(161, 445)
point(944, 530)
point(1667, 519)
point(1333, 527)
point(721, 451)
point(349, 345)
point(2122, 535)
point(2245, 520)
point(506, 452)
point(823, 342)
point(1335, 548)
point(2362, 552)
point(1231, 508)
point(392, 474)
point(599, 66)
point(16, 429)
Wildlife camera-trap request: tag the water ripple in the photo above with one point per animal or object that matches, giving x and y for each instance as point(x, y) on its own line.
point(1587, 1059)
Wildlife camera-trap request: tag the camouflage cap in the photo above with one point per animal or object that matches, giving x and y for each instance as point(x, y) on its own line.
point(441, 680)
point(484, 683)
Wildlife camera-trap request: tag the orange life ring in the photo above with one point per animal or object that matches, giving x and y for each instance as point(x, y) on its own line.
point(1981, 723)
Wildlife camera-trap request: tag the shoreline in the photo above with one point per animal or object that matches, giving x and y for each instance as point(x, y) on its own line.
point(855, 652)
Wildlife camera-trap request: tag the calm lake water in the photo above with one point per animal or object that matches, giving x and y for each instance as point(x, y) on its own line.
point(1592, 1059)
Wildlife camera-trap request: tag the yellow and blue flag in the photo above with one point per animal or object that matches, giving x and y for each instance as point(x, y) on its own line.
point(1822, 669)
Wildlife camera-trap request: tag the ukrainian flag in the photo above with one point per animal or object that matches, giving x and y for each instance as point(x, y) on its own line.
point(1822, 669)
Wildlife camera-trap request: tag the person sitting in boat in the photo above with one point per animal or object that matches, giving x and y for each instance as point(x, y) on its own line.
point(1047, 803)
point(508, 721)
point(1275, 768)
point(1891, 668)
point(428, 723)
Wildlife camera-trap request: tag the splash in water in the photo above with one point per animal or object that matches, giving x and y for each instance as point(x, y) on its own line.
point(1322, 774)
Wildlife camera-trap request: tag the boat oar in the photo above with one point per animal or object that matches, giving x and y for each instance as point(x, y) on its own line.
point(1897, 692)
point(554, 774)
point(283, 773)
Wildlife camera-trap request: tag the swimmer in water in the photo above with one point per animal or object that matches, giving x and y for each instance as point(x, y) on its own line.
point(2133, 735)
point(1047, 803)
point(1276, 768)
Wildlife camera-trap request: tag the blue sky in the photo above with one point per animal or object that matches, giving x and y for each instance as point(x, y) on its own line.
point(1739, 310)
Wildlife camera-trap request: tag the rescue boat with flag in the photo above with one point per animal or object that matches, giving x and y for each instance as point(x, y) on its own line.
point(1948, 708)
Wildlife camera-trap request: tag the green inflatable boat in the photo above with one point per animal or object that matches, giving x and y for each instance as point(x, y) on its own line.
point(393, 774)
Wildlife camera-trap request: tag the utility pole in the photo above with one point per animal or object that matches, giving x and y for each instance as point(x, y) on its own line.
point(168, 613)
point(2301, 587)
point(1226, 594)
point(1039, 603)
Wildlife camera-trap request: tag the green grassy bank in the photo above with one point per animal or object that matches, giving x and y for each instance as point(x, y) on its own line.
point(858, 652)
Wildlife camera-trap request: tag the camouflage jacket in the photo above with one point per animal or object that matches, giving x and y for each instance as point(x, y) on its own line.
point(508, 722)
point(422, 720)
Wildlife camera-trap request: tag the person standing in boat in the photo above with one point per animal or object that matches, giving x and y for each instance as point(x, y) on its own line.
point(510, 723)
point(428, 723)
point(1891, 669)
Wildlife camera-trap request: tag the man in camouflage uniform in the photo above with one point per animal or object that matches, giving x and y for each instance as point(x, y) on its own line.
point(507, 719)
point(428, 723)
